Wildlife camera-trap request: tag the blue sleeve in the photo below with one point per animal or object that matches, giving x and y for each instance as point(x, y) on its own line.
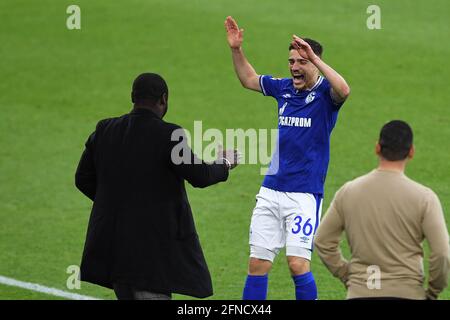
point(270, 86)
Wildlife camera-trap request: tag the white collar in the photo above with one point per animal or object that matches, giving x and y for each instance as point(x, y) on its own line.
point(318, 82)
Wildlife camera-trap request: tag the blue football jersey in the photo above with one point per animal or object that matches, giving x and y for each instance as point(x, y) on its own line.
point(305, 121)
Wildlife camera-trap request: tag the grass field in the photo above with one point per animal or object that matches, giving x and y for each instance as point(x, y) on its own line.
point(57, 83)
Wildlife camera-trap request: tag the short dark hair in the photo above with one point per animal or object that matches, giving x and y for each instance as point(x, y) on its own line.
point(148, 88)
point(315, 46)
point(396, 139)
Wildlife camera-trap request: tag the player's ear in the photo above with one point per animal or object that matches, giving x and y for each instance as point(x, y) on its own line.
point(411, 153)
point(377, 149)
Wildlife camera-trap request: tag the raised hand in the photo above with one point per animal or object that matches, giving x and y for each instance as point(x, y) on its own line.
point(235, 36)
point(303, 48)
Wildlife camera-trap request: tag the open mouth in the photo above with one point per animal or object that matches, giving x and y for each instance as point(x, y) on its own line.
point(298, 78)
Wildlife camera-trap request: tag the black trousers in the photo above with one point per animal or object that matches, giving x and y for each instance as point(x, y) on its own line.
point(127, 292)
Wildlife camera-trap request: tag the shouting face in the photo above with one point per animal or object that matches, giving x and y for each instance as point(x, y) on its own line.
point(304, 73)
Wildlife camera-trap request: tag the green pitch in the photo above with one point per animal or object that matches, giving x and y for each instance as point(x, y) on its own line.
point(57, 83)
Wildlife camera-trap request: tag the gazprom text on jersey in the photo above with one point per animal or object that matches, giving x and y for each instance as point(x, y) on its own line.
point(295, 122)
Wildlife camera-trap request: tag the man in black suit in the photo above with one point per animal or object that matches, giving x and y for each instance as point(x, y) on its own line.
point(141, 239)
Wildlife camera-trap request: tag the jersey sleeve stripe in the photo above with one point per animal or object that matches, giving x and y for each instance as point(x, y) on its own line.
point(262, 85)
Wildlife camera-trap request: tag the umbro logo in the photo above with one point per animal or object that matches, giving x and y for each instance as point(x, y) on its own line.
point(286, 96)
point(304, 239)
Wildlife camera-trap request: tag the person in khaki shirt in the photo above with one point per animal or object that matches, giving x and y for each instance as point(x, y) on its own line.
point(386, 216)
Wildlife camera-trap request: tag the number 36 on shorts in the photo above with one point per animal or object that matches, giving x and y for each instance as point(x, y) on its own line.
point(300, 226)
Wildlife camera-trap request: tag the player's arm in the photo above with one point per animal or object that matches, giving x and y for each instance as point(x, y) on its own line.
point(244, 70)
point(340, 90)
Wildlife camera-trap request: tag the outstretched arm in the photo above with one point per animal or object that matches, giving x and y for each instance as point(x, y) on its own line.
point(244, 70)
point(198, 173)
point(339, 87)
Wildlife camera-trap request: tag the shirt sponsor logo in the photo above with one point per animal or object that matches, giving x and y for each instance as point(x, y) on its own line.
point(295, 122)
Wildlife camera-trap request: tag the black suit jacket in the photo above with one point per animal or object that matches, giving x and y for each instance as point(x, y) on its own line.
point(141, 231)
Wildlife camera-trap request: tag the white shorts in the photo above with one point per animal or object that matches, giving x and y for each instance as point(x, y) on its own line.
point(284, 219)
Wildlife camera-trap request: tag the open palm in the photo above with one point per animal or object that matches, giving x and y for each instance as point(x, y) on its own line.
point(235, 36)
point(303, 48)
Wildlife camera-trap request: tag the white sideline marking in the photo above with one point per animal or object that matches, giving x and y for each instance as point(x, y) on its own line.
point(44, 289)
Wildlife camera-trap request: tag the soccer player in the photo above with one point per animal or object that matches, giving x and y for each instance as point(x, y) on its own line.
point(288, 205)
